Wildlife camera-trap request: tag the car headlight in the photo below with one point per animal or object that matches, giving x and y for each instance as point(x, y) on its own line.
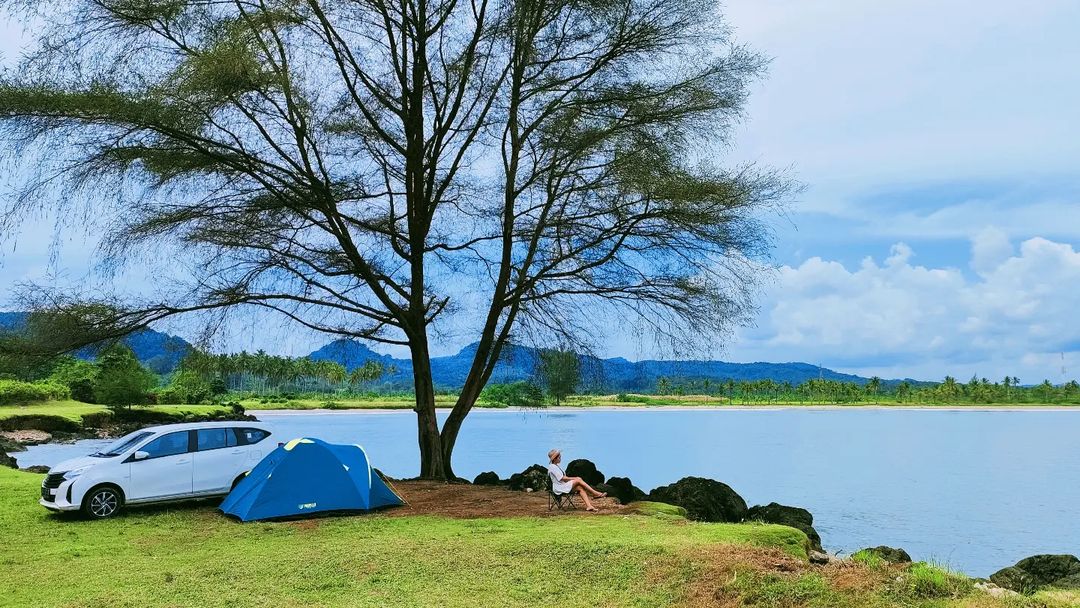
point(73, 473)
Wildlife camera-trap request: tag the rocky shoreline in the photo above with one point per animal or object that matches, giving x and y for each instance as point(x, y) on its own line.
point(708, 500)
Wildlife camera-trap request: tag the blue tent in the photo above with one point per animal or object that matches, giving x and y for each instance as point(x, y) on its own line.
point(308, 476)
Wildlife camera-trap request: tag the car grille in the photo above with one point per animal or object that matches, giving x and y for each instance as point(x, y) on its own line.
point(51, 483)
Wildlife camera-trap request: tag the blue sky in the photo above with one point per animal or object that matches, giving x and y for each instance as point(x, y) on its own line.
point(940, 225)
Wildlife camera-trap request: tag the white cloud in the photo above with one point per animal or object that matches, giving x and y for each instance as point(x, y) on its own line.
point(989, 249)
point(897, 318)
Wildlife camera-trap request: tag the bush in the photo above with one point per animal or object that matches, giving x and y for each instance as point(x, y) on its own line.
point(15, 392)
point(78, 376)
point(82, 390)
point(517, 394)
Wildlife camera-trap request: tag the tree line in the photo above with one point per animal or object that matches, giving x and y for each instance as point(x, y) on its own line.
point(875, 390)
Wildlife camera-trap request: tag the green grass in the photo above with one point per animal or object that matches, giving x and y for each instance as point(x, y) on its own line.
point(927, 580)
point(192, 556)
point(189, 555)
point(657, 509)
point(75, 410)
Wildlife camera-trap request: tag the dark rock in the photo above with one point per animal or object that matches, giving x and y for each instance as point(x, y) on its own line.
point(605, 488)
point(889, 555)
point(534, 478)
point(819, 557)
point(795, 517)
point(8, 461)
point(36, 468)
point(703, 499)
point(1014, 579)
point(624, 490)
point(1069, 582)
point(1049, 569)
point(1031, 573)
point(586, 470)
point(489, 478)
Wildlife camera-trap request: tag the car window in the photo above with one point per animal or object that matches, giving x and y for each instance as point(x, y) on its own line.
point(252, 436)
point(123, 444)
point(167, 445)
point(232, 437)
point(210, 439)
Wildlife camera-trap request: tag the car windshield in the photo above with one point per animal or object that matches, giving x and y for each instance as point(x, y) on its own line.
point(122, 445)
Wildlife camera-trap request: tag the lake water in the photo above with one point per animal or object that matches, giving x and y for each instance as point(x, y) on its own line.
point(975, 490)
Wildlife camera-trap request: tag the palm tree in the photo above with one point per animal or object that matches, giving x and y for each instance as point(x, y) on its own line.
point(873, 386)
point(949, 388)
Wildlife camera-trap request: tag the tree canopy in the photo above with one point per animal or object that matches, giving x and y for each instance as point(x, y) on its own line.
point(368, 169)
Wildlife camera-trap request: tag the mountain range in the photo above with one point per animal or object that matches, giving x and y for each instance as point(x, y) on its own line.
point(615, 374)
point(162, 352)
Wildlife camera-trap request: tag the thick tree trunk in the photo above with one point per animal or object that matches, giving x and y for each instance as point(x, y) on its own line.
point(466, 401)
point(484, 361)
point(431, 450)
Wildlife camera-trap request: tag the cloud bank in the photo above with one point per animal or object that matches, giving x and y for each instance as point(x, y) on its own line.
point(1012, 312)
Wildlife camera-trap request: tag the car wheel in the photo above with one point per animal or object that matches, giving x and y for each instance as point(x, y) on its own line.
point(102, 503)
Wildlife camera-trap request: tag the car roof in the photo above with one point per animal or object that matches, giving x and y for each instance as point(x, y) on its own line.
point(188, 426)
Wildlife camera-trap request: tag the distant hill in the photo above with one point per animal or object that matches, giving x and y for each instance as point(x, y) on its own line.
point(160, 352)
point(616, 374)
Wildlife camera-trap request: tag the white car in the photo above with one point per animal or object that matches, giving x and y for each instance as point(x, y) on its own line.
point(157, 464)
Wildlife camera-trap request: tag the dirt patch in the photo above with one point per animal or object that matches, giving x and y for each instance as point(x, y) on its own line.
point(720, 567)
point(26, 437)
point(469, 501)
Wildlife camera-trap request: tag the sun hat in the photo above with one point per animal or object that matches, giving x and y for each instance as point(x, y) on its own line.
point(553, 454)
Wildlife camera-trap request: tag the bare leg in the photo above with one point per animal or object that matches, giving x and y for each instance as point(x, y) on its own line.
point(585, 497)
point(580, 484)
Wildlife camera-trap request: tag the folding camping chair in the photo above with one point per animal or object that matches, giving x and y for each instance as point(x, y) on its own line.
point(562, 501)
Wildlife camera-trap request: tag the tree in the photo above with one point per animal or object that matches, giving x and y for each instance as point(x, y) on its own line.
point(873, 387)
point(354, 165)
point(559, 372)
point(903, 390)
point(121, 381)
point(949, 389)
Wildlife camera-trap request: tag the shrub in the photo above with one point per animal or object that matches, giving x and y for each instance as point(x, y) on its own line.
point(78, 376)
point(82, 390)
point(516, 394)
point(15, 392)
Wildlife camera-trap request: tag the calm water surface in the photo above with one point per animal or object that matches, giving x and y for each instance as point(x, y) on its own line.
point(976, 490)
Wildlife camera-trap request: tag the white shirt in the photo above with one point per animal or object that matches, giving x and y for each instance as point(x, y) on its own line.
point(557, 485)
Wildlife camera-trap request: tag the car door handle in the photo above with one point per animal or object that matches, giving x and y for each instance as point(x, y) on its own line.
point(182, 461)
point(238, 451)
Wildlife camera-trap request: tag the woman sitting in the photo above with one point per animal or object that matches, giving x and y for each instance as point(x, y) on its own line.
point(562, 484)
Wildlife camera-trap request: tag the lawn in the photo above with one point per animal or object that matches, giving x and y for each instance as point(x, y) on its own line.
point(188, 555)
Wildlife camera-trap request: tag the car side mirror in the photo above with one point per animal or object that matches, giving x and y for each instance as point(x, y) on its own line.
point(140, 455)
